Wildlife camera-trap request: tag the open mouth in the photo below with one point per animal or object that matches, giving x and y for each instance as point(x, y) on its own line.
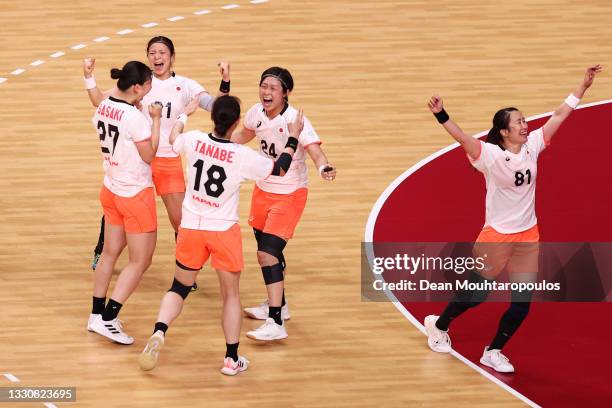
point(267, 101)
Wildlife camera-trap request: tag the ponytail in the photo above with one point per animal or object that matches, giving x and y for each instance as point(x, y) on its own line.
point(132, 73)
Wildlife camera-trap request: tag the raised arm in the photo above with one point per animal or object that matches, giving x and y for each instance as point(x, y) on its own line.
point(567, 107)
point(469, 144)
point(282, 164)
point(206, 99)
point(243, 135)
point(148, 150)
point(96, 96)
point(181, 121)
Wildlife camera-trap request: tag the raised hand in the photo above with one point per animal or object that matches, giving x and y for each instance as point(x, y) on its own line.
point(155, 110)
point(435, 104)
point(589, 75)
point(329, 172)
point(88, 67)
point(224, 70)
point(296, 127)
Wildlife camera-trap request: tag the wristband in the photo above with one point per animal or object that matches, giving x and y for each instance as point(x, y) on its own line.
point(224, 87)
point(442, 117)
point(90, 83)
point(292, 142)
point(325, 167)
point(182, 118)
point(572, 101)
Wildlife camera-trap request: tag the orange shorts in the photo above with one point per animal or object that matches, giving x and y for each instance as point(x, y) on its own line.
point(168, 175)
point(194, 247)
point(135, 214)
point(277, 214)
point(488, 234)
point(517, 253)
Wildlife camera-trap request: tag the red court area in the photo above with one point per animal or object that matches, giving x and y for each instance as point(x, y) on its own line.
point(562, 352)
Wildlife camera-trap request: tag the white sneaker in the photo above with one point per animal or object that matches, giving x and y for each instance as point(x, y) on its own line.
point(111, 329)
point(231, 367)
point(268, 331)
point(437, 339)
point(92, 317)
point(148, 358)
point(261, 312)
point(496, 360)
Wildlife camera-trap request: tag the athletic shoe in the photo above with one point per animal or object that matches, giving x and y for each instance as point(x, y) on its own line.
point(261, 312)
point(496, 360)
point(437, 339)
point(231, 367)
point(194, 287)
point(148, 358)
point(111, 329)
point(92, 317)
point(94, 263)
point(268, 331)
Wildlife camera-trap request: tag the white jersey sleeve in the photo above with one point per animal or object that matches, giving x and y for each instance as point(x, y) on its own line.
point(308, 135)
point(139, 129)
point(486, 158)
point(179, 145)
point(250, 119)
point(254, 166)
point(535, 141)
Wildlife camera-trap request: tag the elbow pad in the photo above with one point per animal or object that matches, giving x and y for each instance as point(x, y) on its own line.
point(283, 162)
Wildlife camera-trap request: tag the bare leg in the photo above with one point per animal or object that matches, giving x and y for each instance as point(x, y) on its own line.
point(115, 242)
point(172, 303)
point(174, 204)
point(141, 247)
point(232, 309)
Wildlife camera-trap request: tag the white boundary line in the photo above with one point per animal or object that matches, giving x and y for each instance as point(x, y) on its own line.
point(369, 237)
point(58, 54)
point(11, 377)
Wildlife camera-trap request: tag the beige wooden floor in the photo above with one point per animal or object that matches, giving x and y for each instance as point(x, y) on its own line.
point(363, 73)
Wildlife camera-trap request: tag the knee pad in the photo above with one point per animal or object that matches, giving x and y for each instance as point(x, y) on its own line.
point(180, 289)
point(273, 274)
point(257, 234)
point(273, 245)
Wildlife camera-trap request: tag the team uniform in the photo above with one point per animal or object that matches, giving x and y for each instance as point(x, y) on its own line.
point(209, 225)
point(278, 202)
point(127, 194)
point(174, 94)
point(510, 206)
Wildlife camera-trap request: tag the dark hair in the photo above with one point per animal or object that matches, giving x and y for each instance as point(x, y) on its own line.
point(225, 112)
point(283, 75)
point(501, 120)
point(161, 39)
point(132, 73)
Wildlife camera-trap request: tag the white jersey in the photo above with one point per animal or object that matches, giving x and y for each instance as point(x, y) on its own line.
point(215, 169)
point(174, 93)
point(273, 135)
point(120, 125)
point(511, 184)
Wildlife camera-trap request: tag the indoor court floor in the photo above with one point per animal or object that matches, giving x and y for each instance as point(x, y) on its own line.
point(364, 71)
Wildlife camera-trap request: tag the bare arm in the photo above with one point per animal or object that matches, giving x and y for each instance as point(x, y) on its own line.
point(243, 135)
point(564, 110)
point(147, 149)
point(96, 96)
point(469, 144)
point(179, 125)
point(326, 169)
